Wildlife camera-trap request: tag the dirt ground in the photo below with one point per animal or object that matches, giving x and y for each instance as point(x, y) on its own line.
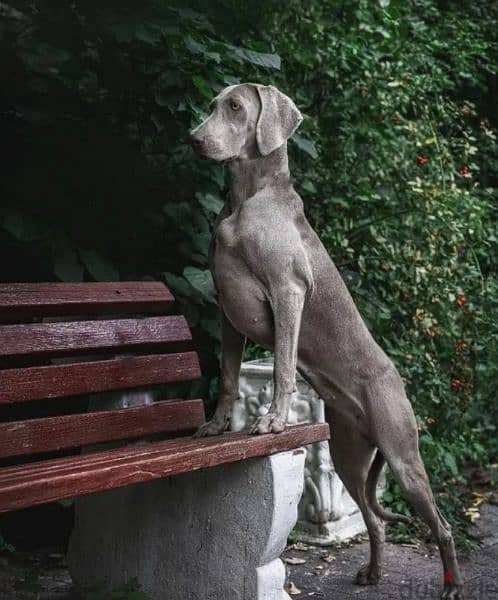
point(411, 572)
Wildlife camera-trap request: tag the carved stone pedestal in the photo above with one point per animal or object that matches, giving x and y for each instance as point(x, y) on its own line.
point(327, 512)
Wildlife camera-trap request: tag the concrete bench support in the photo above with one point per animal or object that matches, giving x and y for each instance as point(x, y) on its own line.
point(215, 534)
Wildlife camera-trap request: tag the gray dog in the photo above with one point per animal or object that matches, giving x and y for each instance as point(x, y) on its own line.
point(278, 286)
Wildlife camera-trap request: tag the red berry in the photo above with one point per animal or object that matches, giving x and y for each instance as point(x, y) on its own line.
point(464, 170)
point(456, 384)
point(422, 160)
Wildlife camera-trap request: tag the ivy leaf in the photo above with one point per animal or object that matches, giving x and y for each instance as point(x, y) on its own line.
point(210, 202)
point(148, 34)
point(67, 267)
point(100, 268)
point(195, 47)
point(201, 243)
point(450, 462)
point(309, 186)
point(261, 59)
point(202, 281)
point(178, 285)
point(203, 87)
point(305, 145)
point(22, 227)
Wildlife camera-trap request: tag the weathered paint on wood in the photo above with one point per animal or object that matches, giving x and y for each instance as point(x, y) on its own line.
point(80, 337)
point(71, 431)
point(55, 381)
point(24, 300)
point(56, 479)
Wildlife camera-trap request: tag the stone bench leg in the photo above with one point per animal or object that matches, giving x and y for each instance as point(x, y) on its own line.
point(215, 534)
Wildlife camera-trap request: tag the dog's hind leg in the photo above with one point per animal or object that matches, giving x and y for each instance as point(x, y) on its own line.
point(352, 457)
point(407, 467)
point(397, 438)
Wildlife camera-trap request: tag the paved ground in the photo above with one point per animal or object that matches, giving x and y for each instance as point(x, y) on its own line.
point(411, 573)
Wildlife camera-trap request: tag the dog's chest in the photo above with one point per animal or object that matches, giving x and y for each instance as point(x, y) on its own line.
point(227, 234)
point(227, 252)
point(231, 267)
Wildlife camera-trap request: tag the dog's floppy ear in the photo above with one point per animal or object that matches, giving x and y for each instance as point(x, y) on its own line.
point(278, 119)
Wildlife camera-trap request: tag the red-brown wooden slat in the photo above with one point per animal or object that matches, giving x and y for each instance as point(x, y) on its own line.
point(55, 381)
point(58, 479)
point(71, 431)
point(23, 300)
point(79, 337)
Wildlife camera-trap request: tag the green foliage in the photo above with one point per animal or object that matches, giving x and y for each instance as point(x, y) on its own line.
point(403, 195)
point(396, 161)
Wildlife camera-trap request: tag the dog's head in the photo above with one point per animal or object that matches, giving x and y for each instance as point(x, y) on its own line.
point(246, 120)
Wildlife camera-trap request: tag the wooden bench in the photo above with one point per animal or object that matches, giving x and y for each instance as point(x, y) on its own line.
point(61, 342)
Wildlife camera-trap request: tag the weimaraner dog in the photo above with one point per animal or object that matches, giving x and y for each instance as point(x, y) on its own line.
point(278, 286)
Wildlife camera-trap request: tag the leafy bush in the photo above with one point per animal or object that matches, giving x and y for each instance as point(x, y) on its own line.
point(403, 197)
point(396, 162)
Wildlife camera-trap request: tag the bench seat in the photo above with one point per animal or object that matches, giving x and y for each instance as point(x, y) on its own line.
point(61, 478)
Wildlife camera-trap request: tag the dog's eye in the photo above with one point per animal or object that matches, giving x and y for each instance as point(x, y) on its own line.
point(234, 105)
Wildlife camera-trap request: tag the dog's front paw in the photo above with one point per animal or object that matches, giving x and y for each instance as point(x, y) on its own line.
point(368, 575)
point(269, 423)
point(213, 427)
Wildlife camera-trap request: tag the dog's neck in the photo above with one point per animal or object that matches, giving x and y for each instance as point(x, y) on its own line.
point(248, 176)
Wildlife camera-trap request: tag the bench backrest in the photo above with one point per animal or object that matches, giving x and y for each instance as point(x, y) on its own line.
point(52, 346)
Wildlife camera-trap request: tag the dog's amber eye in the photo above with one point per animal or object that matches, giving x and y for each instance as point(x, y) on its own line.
point(234, 105)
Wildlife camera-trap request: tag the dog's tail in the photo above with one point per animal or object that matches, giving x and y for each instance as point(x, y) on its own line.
point(371, 492)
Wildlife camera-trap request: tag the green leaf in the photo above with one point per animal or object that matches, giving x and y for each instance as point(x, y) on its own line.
point(201, 243)
point(178, 285)
point(202, 85)
point(210, 202)
point(148, 33)
point(305, 145)
point(100, 268)
point(196, 47)
point(309, 186)
point(67, 267)
point(450, 462)
point(45, 58)
point(202, 281)
point(261, 59)
point(23, 227)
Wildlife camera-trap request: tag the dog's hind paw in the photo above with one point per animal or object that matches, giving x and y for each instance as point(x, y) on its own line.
point(269, 423)
point(453, 592)
point(368, 575)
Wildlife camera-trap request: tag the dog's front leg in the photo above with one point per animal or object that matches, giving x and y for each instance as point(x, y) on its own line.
point(232, 351)
point(287, 303)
